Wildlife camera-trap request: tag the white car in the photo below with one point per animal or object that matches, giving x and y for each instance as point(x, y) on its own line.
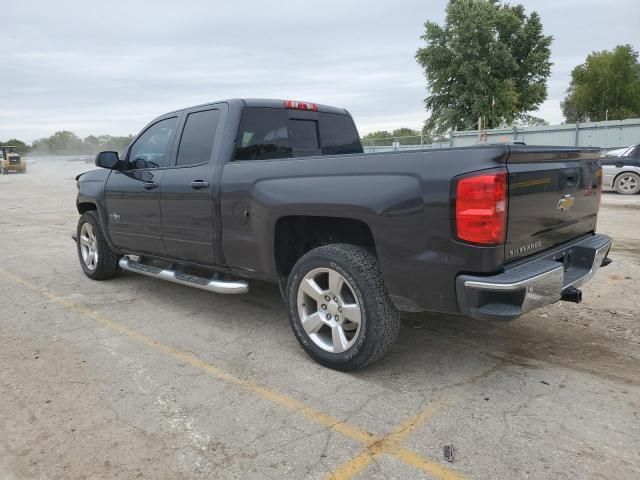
point(620, 152)
point(622, 173)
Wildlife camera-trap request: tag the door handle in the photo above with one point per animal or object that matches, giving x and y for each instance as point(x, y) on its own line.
point(197, 184)
point(150, 185)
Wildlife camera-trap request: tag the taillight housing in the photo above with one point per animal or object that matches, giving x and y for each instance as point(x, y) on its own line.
point(480, 208)
point(295, 105)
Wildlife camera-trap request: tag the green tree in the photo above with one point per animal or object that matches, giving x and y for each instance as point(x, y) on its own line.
point(403, 135)
point(378, 134)
point(64, 142)
point(92, 142)
point(22, 147)
point(606, 85)
point(528, 121)
point(488, 59)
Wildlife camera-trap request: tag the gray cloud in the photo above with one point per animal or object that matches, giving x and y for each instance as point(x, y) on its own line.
point(110, 67)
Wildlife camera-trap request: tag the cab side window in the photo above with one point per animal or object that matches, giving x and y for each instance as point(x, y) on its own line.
point(151, 149)
point(263, 135)
point(196, 143)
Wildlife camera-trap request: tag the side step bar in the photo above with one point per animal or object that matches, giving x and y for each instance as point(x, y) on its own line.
point(211, 285)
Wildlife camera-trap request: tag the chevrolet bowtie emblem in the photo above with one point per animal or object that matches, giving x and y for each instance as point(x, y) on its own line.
point(566, 202)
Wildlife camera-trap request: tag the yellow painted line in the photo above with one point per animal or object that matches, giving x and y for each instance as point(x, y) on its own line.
point(390, 445)
point(374, 445)
point(353, 467)
point(427, 466)
point(406, 428)
point(266, 393)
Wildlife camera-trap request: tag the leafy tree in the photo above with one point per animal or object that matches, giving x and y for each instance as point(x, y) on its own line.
point(64, 141)
point(403, 135)
point(529, 121)
point(488, 59)
point(377, 135)
point(93, 142)
point(607, 81)
point(22, 147)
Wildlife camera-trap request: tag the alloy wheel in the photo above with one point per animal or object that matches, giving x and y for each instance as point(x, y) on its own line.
point(329, 310)
point(88, 246)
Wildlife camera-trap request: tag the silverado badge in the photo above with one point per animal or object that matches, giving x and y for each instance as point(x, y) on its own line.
point(566, 202)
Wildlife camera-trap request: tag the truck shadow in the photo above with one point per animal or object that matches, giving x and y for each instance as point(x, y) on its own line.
point(428, 344)
point(560, 337)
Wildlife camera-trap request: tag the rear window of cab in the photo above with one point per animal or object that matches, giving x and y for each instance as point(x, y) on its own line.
point(269, 133)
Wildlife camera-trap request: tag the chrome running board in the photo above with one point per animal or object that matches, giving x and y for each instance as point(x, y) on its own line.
point(209, 284)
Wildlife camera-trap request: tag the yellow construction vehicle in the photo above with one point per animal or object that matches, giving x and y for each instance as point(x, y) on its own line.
point(10, 160)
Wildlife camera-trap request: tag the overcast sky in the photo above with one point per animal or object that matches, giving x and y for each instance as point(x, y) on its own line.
point(109, 67)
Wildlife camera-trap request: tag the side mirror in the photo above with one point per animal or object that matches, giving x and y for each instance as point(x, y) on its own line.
point(619, 164)
point(109, 160)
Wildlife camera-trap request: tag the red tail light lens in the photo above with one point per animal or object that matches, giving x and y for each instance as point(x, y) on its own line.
point(293, 105)
point(481, 208)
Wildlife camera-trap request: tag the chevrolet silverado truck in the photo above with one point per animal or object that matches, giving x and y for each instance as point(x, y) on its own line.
point(280, 191)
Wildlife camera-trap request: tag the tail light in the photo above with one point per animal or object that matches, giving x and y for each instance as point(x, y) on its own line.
point(481, 208)
point(293, 105)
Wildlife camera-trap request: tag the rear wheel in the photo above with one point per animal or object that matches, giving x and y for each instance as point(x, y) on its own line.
point(339, 308)
point(627, 183)
point(97, 260)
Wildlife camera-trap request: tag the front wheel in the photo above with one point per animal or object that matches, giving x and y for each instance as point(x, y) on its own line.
point(627, 183)
point(339, 308)
point(97, 260)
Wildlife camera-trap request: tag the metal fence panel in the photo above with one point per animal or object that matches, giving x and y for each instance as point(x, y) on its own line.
point(605, 135)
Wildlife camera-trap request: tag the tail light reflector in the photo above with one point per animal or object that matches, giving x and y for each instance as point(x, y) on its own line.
point(481, 208)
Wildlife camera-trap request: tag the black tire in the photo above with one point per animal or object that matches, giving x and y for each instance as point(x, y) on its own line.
point(627, 183)
point(380, 321)
point(106, 265)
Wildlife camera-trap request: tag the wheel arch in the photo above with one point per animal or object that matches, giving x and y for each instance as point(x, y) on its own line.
point(295, 235)
point(624, 172)
point(85, 207)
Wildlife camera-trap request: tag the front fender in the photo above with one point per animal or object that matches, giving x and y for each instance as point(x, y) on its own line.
point(91, 187)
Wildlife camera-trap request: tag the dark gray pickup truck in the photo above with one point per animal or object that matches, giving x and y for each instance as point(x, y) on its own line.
point(281, 191)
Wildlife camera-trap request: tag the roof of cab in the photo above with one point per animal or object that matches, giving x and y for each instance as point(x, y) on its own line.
point(265, 103)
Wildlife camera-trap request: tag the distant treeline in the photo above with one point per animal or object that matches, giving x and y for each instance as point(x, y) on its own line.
point(68, 143)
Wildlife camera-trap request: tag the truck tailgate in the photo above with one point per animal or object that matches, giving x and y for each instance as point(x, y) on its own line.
point(554, 196)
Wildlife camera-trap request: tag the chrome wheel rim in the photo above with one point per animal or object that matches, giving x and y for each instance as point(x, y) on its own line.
point(628, 183)
point(88, 246)
point(329, 310)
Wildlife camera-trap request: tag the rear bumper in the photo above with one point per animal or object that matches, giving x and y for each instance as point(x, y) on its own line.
point(533, 283)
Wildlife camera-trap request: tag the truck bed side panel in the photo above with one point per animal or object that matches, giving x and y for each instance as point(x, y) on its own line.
point(404, 198)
